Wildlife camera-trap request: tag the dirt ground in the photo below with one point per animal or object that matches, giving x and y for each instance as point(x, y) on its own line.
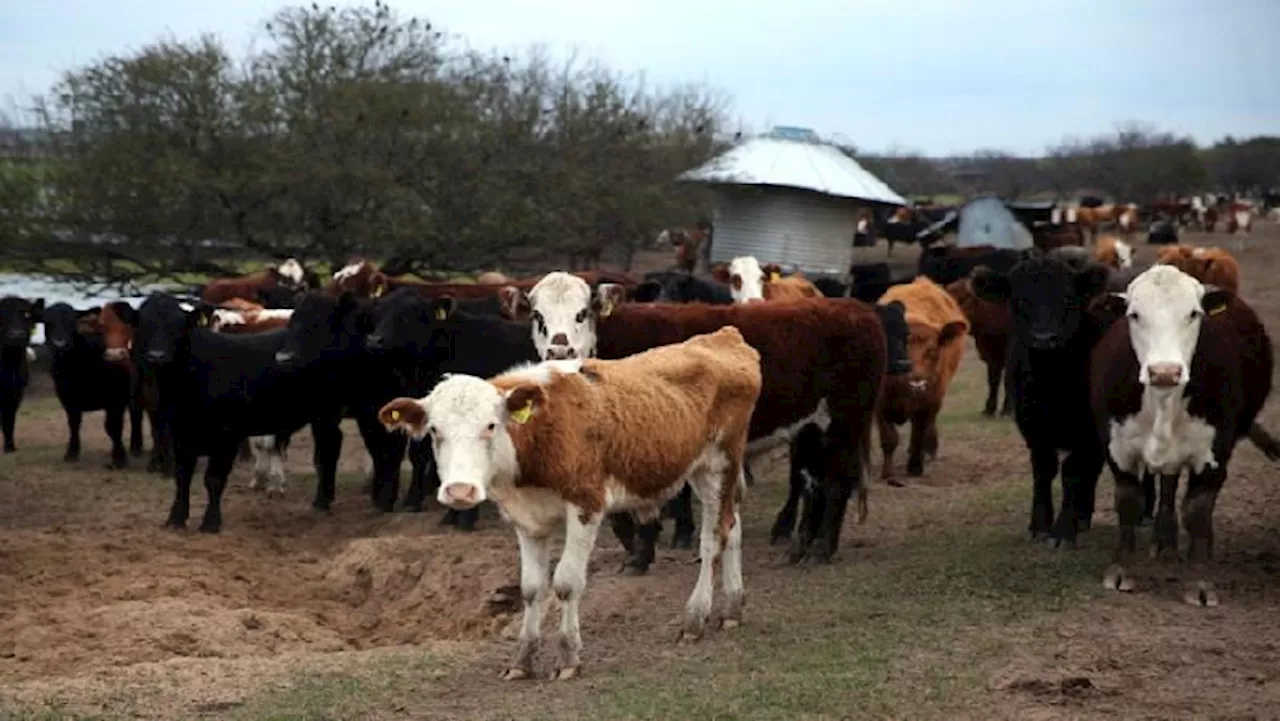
point(937, 607)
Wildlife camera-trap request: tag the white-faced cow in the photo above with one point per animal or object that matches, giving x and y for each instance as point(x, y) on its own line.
point(565, 442)
point(1175, 386)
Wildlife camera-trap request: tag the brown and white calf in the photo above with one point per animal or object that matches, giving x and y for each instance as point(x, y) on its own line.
point(566, 442)
point(749, 281)
point(1176, 385)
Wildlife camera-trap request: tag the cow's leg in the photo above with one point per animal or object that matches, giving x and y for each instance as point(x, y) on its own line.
point(261, 462)
point(888, 446)
point(1149, 498)
point(8, 419)
point(812, 508)
point(731, 565)
point(535, 560)
point(135, 427)
point(1044, 468)
point(156, 462)
point(184, 468)
point(1010, 396)
point(221, 459)
point(712, 544)
point(569, 583)
point(1079, 480)
point(268, 463)
point(916, 446)
point(387, 450)
point(422, 463)
point(74, 418)
point(930, 440)
point(1197, 517)
point(624, 529)
point(644, 549)
point(113, 423)
point(1128, 509)
point(1164, 534)
point(995, 374)
point(785, 522)
point(327, 437)
point(681, 508)
point(244, 452)
point(844, 472)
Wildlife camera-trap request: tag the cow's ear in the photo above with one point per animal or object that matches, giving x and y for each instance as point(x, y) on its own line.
point(1092, 281)
point(202, 315)
point(126, 313)
point(513, 302)
point(772, 272)
point(524, 400)
point(607, 297)
point(989, 286)
point(406, 415)
point(1215, 299)
point(37, 306)
point(378, 284)
point(720, 271)
point(443, 307)
point(1112, 304)
point(952, 331)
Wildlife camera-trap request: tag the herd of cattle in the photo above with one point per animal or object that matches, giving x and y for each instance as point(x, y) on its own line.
point(570, 397)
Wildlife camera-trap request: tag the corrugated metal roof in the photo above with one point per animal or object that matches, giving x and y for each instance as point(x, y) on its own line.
point(793, 158)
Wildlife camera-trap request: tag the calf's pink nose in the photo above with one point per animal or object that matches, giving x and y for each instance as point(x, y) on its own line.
point(461, 493)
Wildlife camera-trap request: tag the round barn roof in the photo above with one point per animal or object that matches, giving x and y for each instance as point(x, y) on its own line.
point(794, 158)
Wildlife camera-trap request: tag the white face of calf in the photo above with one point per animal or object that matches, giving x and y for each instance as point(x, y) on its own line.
point(746, 279)
point(291, 270)
point(563, 312)
point(1165, 310)
point(1124, 254)
point(466, 419)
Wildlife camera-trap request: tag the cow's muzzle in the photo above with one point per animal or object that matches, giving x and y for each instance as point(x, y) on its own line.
point(460, 496)
point(1164, 375)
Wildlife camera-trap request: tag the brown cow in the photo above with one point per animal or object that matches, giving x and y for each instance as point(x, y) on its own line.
point(563, 443)
point(1112, 252)
point(235, 322)
point(814, 352)
point(362, 279)
point(240, 304)
point(1176, 384)
point(1240, 217)
point(937, 328)
point(289, 274)
point(749, 281)
point(990, 325)
point(1214, 266)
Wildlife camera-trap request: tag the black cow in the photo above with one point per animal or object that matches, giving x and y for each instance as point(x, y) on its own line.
point(1053, 334)
point(1162, 232)
point(420, 339)
point(830, 286)
point(17, 323)
point(945, 265)
point(679, 287)
point(86, 381)
point(215, 390)
point(872, 280)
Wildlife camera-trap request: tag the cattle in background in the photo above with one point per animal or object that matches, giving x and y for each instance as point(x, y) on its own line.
point(579, 439)
point(937, 328)
point(1239, 217)
point(1177, 385)
point(289, 275)
point(1123, 218)
point(1052, 337)
point(691, 244)
point(1162, 232)
point(18, 318)
point(362, 279)
point(871, 280)
point(1048, 236)
point(681, 287)
point(748, 281)
point(1214, 266)
point(1112, 252)
point(945, 265)
point(245, 322)
point(864, 229)
point(492, 277)
point(117, 321)
point(85, 380)
point(813, 351)
point(990, 324)
point(830, 286)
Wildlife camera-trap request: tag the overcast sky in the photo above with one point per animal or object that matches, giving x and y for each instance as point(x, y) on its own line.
point(941, 76)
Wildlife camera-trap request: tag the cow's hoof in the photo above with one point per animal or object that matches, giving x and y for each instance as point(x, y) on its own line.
point(70, 457)
point(728, 624)
point(891, 481)
point(1203, 595)
point(689, 636)
point(630, 569)
point(915, 469)
point(778, 539)
point(1064, 544)
point(10, 449)
point(1145, 521)
point(515, 674)
point(1117, 579)
point(565, 673)
point(322, 506)
point(207, 527)
point(989, 412)
point(682, 542)
point(173, 525)
point(275, 494)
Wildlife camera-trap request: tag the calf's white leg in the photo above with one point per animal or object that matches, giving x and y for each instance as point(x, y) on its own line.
point(570, 582)
point(731, 575)
point(698, 609)
point(535, 558)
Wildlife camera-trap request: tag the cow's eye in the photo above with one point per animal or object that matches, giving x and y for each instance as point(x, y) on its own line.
point(432, 431)
point(491, 427)
point(1195, 313)
point(1133, 316)
point(581, 317)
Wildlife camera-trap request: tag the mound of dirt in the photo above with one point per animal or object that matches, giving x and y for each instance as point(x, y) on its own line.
point(129, 632)
point(412, 589)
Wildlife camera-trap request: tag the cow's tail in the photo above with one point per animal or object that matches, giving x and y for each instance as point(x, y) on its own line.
point(1265, 442)
point(864, 477)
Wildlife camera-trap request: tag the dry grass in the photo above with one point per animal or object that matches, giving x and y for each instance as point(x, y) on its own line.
point(936, 608)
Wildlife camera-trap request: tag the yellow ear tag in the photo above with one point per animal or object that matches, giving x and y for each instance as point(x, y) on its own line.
point(395, 414)
point(775, 276)
point(441, 314)
point(377, 290)
point(522, 415)
point(606, 309)
point(1218, 310)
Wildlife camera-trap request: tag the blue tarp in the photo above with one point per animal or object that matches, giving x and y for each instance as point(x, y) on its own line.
point(986, 221)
